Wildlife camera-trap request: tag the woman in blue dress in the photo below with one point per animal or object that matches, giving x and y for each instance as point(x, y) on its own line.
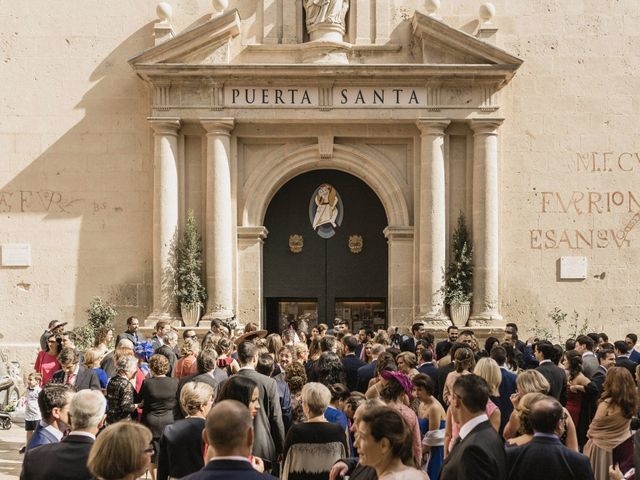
point(431, 418)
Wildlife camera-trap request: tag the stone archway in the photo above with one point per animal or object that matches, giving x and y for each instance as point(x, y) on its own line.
point(266, 180)
point(369, 166)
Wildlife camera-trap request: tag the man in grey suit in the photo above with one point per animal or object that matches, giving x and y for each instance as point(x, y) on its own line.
point(584, 346)
point(268, 443)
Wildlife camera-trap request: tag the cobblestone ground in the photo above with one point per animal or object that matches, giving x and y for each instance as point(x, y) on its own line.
point(10, 460)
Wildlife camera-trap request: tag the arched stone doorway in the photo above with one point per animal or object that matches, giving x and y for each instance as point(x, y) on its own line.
point(326, 278)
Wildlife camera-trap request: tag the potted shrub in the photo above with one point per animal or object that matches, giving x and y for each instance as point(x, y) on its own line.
point(190, 291)
point(458, 277)
point(100, 315)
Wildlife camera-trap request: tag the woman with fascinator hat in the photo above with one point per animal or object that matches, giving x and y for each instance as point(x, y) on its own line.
point(397, 392)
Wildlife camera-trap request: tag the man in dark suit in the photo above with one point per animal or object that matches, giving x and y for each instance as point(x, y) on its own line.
point(131, 333)
point(556, 376)
point(417, 332)
point(67, 459)
point(169, 342)
point(622, 357)
point(162, 328)
point(593, 390)
point(229, 432)
point(74, 374)
point(545, 456)
point(511, 336)
point(584, 346)
point(350, 361)
point(53, 401)
point(364, 335)
point(445, 345)
point(427, 366)
point(269, 428)
point(366, 372)
point(207, 366)
point(631, 339)
point(478, 452)
point(507, 387)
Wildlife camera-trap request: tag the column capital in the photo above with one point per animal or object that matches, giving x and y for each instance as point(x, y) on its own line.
point(485, 126)
point(432, 126)
point(252, 233)
point(218, 126)
point(394, 233)
point(164, 125)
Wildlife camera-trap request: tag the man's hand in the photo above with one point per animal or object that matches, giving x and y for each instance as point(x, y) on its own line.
point(257, 464)
point(340, 469)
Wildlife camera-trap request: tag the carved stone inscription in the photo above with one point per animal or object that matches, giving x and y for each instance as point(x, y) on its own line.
point(614, 213)
point(35, 201)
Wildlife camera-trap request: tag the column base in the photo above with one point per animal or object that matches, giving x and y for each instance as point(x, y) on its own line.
point(434, 320)
point(222, 314)
point(154, 317)
point(487, 319)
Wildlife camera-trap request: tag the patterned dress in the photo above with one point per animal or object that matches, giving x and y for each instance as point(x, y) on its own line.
point(120, 399)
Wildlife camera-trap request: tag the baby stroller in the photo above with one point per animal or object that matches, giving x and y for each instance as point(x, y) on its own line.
point(7, 393)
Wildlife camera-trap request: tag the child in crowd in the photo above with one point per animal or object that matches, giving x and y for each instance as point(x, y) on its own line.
point(31, 410)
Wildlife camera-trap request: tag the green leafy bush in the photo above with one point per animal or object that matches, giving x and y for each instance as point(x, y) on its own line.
point(189, 288)
point(459, 275)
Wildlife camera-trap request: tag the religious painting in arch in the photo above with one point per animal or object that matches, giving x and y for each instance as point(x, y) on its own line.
point(323, 277)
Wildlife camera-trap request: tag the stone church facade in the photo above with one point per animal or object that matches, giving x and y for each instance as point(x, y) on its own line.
point(119, 120)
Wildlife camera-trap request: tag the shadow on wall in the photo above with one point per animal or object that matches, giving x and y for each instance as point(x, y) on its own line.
point(94, 185)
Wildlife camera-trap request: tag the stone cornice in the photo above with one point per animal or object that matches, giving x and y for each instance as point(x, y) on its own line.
point(257, 73)
point(427, 26)
point(207, 36)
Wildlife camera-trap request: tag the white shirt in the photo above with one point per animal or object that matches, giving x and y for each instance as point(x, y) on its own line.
point(236, 458)
point(83, 434)
point(471, 424)
point(545, 361)
point(587, 353)
point(75, 375)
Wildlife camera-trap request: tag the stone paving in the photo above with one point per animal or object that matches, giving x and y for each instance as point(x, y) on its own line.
point(10, 460)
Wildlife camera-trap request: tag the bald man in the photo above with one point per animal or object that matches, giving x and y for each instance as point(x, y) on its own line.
point(229, 435)
point(545, 456)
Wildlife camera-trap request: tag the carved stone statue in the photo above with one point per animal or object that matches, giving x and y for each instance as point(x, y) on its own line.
point(324, 16)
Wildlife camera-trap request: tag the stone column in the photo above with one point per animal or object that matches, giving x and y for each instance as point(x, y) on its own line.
point(486, 225)
point(250, 292)
point(400, 295)
point(219, 219)
point(432, 222)
point(165, 218)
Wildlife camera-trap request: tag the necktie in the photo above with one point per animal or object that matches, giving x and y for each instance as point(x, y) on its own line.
point(456, 442)
point(70, 378)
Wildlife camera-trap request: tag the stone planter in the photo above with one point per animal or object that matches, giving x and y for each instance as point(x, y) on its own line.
point(191, 315)
point(460, 313)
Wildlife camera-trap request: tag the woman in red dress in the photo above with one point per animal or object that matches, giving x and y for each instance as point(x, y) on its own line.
point(47, 361)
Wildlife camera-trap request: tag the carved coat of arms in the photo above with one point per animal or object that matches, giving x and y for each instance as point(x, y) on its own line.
point(355, 243)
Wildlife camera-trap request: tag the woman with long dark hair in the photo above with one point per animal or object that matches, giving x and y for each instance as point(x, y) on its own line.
point(47, 360)
point(242, 389)
point(610, 426)
point(576, 383)
point(330, 369)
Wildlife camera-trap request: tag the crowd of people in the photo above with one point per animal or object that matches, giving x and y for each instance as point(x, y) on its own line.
point(330, 404)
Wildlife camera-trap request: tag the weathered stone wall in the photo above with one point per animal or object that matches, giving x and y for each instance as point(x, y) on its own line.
point(76, 174)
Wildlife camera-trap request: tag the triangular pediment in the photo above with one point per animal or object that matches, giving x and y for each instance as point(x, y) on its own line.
point(206, 43)
point(442, 44)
